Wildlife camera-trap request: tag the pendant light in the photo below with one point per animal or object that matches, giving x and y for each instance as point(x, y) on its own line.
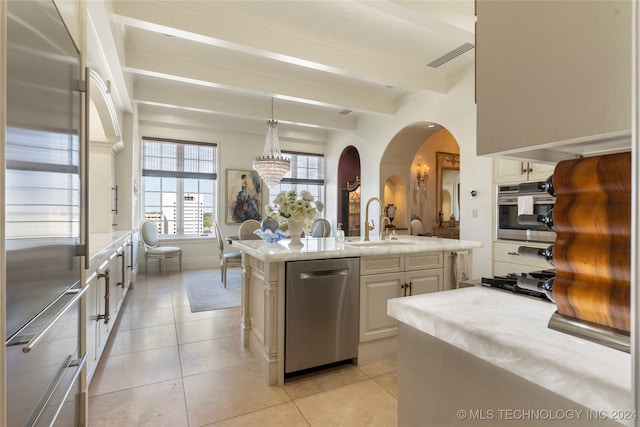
point(271, 165)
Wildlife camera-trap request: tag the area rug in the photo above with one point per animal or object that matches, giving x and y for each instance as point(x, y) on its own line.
point(206, 291)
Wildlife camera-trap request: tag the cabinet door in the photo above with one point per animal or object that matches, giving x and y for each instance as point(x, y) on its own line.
point(424, 281)
point(91, 325)
point(375, 290)
point(540, 171)
point(535, 80)
point(509, 171)
point(104, 285)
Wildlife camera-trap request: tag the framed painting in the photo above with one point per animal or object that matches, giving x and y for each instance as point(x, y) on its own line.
point(243, 198)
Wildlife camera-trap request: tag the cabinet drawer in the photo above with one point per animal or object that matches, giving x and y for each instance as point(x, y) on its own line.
point(508, 253)
point(424, 260)
point(381, 264)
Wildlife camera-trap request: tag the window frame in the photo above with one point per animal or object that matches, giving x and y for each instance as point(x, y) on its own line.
point(180, 160)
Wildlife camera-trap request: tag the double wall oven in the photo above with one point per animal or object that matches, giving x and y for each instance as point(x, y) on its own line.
point(512, 197)
point(530, 198)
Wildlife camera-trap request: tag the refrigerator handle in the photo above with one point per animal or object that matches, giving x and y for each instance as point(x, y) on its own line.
point(33, 341)
point(85, 160)
point(78, 364)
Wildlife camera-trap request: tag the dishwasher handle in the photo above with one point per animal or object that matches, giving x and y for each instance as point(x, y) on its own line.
point(325, 273)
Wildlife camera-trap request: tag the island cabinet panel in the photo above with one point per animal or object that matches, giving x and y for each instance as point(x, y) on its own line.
point(412, 274)
point(381, 264)
point(552, 73)
point(375, 290)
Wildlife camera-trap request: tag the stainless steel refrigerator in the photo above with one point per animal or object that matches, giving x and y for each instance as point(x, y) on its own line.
point(42, 218)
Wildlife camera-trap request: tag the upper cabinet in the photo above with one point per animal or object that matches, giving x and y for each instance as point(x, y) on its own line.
point(553, 78)
point(519, 171)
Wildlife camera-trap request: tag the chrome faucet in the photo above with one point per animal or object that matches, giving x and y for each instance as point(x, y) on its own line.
point(368, 227)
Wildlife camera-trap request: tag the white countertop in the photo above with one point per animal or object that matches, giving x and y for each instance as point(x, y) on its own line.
point(98, 242)
point(510, 331)
point(326, 247)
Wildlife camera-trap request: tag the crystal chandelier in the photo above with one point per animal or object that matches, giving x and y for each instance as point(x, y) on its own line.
point(272, 166)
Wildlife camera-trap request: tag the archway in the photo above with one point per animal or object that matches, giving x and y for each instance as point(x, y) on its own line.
point(414, 149)
point(349, 190)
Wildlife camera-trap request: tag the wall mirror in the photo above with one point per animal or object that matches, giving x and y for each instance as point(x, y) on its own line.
point(448, 185)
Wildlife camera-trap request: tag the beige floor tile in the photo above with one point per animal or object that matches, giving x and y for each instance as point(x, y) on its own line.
point(144, 319)
point(380, 367)
point(184, 314)
point(324, 380)
point(180, 298)
point(229, 392)
point(203, 356)
point(142, 339)
point(207, 329)
point(156, 405)
point(135, 369)
point(364, 403)
point(284, 415)
point(147, 302)
point(389, 382)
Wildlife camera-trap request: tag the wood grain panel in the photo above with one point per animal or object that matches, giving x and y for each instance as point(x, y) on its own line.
point(592, 252)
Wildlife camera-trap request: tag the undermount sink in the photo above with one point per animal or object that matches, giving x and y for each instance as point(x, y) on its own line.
point(376, 243)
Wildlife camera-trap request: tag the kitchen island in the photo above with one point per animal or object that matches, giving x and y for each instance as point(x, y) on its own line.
point(493, 358)
point(386, 268)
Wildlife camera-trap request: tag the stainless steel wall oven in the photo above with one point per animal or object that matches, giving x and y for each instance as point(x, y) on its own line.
point(508, 227)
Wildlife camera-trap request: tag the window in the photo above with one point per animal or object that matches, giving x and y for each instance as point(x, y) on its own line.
point(307, 173)
point(179, 185)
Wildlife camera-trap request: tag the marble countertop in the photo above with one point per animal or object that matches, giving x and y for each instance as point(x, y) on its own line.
point(98, 242)
point(326, 247)
point(510, 331)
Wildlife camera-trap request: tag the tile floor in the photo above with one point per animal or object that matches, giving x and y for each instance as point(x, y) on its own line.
point(166, 366)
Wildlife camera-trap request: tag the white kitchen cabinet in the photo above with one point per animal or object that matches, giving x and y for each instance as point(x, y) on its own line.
point(506, 259)
point(393, 276)
point(513, 171)
point(552, 77)
point(109, 279)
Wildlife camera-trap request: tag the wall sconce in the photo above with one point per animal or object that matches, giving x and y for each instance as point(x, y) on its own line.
point(422, 176)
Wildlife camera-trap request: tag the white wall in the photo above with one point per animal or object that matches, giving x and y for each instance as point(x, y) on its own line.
point(457, 112)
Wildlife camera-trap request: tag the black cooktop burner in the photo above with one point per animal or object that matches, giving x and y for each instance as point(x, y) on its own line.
point(510, 282)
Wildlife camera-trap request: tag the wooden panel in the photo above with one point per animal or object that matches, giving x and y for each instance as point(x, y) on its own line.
point(592, 253)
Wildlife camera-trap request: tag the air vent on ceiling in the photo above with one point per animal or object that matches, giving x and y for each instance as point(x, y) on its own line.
point(345, 112)
point(451, 55)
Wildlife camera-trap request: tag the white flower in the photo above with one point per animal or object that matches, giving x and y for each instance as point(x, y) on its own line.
point(288, 205)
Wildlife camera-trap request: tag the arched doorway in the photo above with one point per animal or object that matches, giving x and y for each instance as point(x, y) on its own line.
point(349, 190)
point(409, 174)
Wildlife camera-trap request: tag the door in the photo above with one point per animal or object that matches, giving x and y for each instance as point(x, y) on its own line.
point(42, 214)
point(424, 281)
point(375, 290)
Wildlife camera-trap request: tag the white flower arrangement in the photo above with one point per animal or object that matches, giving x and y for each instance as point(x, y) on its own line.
point(287, 205)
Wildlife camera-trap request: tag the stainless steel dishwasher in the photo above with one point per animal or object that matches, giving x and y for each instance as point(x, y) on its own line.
point(321, 312)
